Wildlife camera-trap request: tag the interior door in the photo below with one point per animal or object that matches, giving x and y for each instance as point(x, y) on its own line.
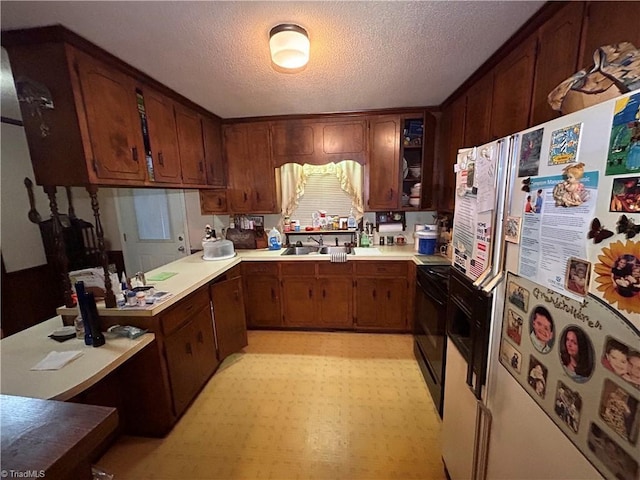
point(153, 227)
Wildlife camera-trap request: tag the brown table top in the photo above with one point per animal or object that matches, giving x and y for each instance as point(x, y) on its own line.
point(51, 436)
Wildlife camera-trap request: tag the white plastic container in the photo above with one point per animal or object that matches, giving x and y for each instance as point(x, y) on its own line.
point(427, 239)
point(275, 239)
point(218, 250)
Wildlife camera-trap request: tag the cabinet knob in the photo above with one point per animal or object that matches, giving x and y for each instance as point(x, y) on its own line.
point(134, 153)
point(310, 293)
point(201, 167)
point(188, 348)
point(161, 158)
point(200, 337)
point(390, 193)
point(374, 294)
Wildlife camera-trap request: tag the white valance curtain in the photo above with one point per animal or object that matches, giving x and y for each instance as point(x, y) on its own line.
point(293, 177)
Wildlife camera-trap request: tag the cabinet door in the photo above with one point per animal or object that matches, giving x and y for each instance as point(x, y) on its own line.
point(263, 301)
point(293, 141)
point(384, 165)
point(395, 297)
point(205, 344)
point(453, 119)
point(345, 140)
point(607, 23)
point(298, 300)
point(478, 112)
point(368, 302)
point(191, 146)
point(215, 166)
point(251, 174)
point(335, 300)
point(512, 89)
point(381, 303)
point(557, 59)
point(184, 373)
point(213, 202)
point(113, 121)
point(229, 317)
point(163, 137)
point(264, 185)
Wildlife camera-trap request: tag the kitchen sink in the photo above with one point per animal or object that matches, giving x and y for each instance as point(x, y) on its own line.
point(324, 250)
point(327, 250)
point(299, 250)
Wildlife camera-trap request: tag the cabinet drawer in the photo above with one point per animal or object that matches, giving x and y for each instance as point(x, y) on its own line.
point(382, 268)
point(261, 268)
point(181, 312)
point(298, 268)
point(328, 268)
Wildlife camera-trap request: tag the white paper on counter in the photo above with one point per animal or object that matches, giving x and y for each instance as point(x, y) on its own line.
point(56, 360)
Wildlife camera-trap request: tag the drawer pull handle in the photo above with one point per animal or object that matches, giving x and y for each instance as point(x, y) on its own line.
point(200, 337)
point(374, 293)
point(188, 348)
point(134, 154)
point(161, 158)
point(324, 293)
point(310, 293)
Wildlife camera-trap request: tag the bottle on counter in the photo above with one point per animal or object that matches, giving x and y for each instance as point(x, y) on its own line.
point(275, 239)
point(84, 312)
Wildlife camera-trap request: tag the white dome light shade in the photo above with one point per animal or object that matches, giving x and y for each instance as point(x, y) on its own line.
point(289, 46)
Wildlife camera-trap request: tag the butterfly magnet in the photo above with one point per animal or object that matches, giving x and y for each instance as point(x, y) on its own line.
point(598, 232)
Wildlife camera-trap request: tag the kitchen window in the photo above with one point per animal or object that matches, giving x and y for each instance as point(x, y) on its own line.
point(334, 187)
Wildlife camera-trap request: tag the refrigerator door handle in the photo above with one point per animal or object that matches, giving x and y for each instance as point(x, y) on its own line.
point(481, 441)
point(506, 166)
point(500, 180)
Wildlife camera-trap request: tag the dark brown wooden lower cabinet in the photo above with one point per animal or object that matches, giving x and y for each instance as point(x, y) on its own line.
point(229, 316)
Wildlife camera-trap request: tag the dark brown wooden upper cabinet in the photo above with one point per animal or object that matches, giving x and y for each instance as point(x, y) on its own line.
point(113, 120)
point(478, 112)
point(383, 169)
point(607, 23)
point(343, 140)
point(252, 182)
point(452, 131)
point(512, 89)
point(557, 58)
point(92, 133)
point(191, 146)
point(163, 136)
point(319, 141)
point(214, 162)
point(293, 141)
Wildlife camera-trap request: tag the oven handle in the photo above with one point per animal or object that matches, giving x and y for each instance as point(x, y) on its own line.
point(423, 289)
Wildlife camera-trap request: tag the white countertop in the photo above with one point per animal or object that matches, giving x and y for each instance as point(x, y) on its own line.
point(193, 272)
point(21, 351)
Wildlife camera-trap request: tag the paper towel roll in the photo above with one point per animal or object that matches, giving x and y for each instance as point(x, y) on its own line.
point(390, 227)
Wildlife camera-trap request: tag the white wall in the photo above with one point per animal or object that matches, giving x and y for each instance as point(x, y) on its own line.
point(20, 239)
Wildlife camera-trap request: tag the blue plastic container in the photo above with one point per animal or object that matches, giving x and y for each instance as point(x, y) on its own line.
point(427, 242)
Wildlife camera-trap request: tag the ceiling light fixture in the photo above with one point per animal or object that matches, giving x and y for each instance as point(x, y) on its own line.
point(289, 45)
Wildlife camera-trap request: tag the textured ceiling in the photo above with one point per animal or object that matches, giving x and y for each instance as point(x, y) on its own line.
point(364, 55)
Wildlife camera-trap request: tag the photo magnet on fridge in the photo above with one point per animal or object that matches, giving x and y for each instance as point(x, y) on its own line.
point(530, 153)
point(624, 144)
point(564, 145)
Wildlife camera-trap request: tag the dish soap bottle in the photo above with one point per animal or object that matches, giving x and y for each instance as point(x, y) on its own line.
point(351, 221)
point(275, 239)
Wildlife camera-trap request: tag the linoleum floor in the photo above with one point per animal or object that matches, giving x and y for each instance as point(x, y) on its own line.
point(299, 405)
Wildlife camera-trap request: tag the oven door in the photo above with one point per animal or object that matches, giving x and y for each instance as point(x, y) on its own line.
point(430, 336)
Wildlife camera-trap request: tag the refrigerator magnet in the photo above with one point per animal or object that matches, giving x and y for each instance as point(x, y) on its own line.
point(512, 229)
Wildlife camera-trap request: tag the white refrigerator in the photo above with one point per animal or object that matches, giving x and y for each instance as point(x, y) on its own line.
point(543, 367)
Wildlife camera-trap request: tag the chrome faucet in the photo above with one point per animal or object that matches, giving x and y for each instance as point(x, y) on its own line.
point(319, 242)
